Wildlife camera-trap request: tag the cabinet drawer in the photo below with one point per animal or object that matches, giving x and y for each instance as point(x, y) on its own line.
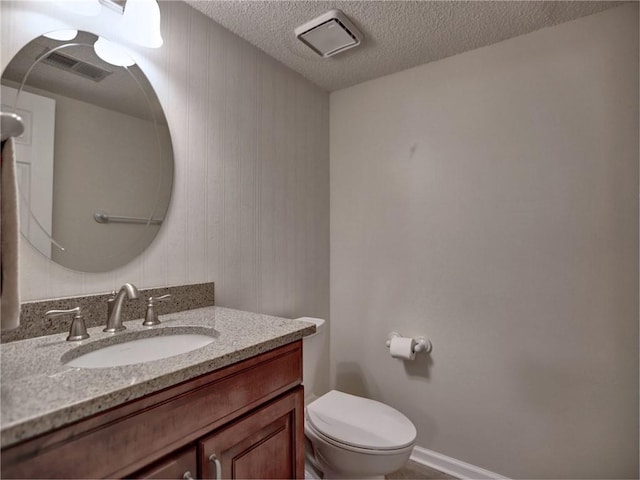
point(145, 430)
point(182, 465)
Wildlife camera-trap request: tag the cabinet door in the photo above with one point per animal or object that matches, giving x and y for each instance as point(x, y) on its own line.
point(266, 443)
point(182, 465)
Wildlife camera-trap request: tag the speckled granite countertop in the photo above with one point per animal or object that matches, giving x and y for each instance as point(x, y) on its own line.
point(38, 393)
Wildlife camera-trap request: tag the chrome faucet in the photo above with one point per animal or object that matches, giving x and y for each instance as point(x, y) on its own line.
point(114, 322)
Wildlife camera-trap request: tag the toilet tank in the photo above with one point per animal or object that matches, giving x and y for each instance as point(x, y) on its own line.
point(312, 347)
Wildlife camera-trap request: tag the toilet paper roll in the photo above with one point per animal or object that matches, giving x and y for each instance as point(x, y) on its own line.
point(402, 347)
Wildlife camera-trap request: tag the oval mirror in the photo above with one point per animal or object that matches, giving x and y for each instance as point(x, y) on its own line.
point(95, 162)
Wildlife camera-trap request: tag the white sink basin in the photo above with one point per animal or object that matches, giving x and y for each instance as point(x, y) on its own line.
point(131, 349)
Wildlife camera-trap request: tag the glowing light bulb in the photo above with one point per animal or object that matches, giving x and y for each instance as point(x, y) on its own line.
point(87, 8)
point(62, 35)
point(112, 53)
point(141, 23)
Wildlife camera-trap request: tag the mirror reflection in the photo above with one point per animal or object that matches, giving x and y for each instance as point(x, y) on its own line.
point(95, 162)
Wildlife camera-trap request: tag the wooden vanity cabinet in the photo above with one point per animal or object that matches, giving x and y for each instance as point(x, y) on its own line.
point(249, 415)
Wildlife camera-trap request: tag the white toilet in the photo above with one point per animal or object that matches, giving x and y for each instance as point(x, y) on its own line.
point(348, 436)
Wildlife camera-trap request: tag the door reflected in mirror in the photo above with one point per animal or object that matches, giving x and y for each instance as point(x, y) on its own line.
point(95, 163)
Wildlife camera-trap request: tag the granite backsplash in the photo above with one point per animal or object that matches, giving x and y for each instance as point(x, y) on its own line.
point(94, 308)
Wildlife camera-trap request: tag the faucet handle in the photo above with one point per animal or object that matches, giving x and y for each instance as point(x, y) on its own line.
point(58, 313)
point(151, 317)
point(111, 301)
point(78, 330)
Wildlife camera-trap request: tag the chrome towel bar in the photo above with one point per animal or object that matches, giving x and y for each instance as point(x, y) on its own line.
point(103, 217)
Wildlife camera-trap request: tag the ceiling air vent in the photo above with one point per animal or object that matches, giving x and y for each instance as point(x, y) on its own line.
point(329, 34)
point(78, 67)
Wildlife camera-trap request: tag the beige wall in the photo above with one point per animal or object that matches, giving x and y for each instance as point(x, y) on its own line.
point(490, 202)
point(250, 205)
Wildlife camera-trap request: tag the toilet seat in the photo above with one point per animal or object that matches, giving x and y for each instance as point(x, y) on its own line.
point(360, 424)
point(310, 431)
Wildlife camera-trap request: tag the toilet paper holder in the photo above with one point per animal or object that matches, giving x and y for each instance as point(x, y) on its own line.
point(422, 344)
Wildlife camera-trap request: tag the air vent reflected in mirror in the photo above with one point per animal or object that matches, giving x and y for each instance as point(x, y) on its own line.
point(76, 66)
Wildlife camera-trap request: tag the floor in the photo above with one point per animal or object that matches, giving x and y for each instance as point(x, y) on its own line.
point(411, 471)
point(418, 472)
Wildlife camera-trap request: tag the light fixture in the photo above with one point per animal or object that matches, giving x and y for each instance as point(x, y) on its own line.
point(116, 5)
point(62, 35)
point(330, 33)
point(130, 22)
point(112, 53)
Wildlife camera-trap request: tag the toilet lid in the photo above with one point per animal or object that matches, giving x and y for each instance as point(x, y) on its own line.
point(360, 422)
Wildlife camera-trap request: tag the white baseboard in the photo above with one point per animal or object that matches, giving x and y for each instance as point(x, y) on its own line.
point(451, 466)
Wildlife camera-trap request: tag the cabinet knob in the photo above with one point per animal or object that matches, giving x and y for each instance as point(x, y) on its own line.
point(187, 476)
point(216, 465)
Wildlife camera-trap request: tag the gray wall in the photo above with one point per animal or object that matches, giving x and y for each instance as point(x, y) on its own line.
point(103, 163)
point(250, 206)
point(490, 202)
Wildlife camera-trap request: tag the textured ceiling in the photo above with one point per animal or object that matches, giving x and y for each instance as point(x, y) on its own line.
point(398, 34)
